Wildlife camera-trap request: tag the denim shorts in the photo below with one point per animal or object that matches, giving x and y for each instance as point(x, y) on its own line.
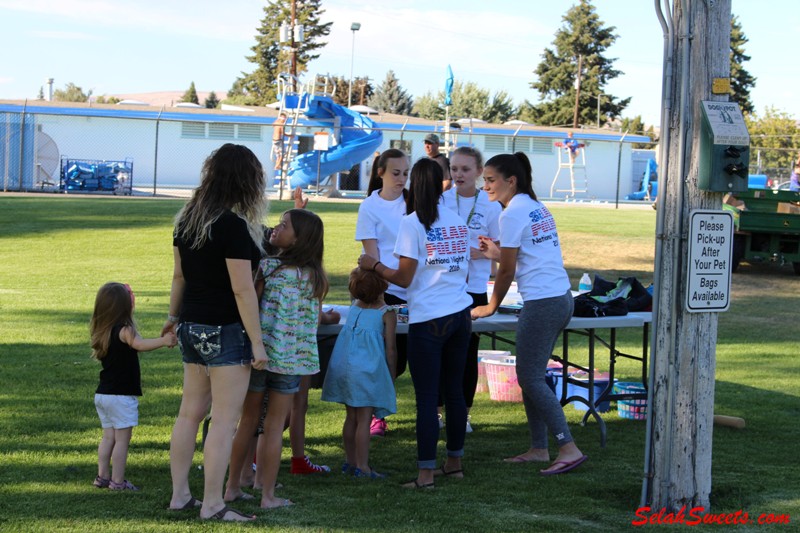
point(263, 380)
point(206, 345)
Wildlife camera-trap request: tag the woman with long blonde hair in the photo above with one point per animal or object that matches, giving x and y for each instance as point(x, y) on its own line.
point(214, 313)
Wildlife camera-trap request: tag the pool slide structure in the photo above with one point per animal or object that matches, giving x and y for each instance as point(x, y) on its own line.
point(649, 187)
point(358, 141)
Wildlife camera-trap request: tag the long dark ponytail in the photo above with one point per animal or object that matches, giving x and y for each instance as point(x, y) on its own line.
point(518, 165)
point(375, 181)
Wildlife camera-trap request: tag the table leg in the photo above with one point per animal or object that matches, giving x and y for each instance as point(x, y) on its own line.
point(592, 411)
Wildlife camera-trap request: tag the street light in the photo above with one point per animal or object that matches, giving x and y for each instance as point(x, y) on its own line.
point(355, 26)
point(597, 97)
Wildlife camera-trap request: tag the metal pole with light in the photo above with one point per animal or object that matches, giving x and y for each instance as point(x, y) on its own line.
point(355, 26)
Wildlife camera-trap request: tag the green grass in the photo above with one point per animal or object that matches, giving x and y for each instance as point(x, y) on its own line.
point(56, 251)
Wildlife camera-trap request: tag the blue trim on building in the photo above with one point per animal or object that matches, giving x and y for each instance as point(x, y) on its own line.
point(155, 113)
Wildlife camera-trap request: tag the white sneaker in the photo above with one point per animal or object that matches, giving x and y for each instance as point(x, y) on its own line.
point(441, 421)
point(469, 427)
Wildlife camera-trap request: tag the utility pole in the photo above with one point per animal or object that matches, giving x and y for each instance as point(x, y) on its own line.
point(577, 91)
point(681, 388)
point(293, 69)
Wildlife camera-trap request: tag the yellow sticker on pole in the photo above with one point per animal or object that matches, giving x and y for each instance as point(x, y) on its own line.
point(721, 86)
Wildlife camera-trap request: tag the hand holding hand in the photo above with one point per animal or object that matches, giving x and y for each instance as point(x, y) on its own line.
point(170, 339)
point(169, 327)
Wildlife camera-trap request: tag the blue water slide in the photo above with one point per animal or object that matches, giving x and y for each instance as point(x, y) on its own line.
point(649, 183)
point(359, 140)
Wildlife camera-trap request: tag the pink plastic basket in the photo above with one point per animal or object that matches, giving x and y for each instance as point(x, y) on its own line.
point(483, 355)
point(501, 376)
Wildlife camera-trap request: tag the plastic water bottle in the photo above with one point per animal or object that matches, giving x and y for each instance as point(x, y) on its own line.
point(585, 284)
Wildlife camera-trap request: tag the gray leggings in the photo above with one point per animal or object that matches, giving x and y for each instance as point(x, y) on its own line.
point(540, 323)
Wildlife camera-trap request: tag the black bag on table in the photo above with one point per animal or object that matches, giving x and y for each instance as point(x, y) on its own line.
point(613, 299)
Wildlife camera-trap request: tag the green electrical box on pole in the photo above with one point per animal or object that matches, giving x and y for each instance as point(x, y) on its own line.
point(724, 148)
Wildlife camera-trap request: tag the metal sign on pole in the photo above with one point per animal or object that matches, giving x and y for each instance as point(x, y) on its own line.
point(322, 143)
point(708, 286)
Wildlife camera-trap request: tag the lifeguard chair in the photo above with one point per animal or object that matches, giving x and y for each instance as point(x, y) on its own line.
point(565, 161)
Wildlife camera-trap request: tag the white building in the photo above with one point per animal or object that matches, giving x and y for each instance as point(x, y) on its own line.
point(168, 145)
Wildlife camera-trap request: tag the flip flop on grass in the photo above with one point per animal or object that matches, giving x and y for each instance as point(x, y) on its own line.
point(567, 466)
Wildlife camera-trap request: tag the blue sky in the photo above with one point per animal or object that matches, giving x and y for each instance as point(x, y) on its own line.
point(127, 46)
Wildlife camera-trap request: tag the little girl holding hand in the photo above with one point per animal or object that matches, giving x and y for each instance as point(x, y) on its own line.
point(116, 344)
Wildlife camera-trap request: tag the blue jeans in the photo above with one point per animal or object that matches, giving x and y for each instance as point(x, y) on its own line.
point(437, 355)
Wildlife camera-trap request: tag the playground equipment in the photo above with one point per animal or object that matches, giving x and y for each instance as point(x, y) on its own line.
point(649, 188)
point(355, 137)
point(565, 161)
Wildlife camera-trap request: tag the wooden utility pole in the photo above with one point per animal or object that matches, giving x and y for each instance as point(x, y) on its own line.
point(678, 468)
point(577, 91)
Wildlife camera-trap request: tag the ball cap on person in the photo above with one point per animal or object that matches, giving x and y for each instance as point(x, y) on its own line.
point(432, 138)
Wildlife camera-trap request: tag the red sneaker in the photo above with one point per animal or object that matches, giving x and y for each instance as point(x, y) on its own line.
point(303, 466)
point(377, 427)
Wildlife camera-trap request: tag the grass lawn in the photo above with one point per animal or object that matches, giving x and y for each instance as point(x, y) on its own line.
point(55, 252)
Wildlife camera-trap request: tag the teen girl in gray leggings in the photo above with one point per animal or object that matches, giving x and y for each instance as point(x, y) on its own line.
point(530, 252)
point(540, 323)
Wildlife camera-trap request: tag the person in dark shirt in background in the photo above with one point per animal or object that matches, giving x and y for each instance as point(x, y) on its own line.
point(432, 150)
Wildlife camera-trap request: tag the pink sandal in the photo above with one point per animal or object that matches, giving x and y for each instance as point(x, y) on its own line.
point(125, 485)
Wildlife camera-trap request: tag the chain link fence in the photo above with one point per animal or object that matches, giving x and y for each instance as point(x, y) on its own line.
point(127, 151)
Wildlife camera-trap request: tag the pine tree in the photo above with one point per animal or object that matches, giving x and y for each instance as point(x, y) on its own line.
point(741, 80)
point(212, 101)
point(272, 57)
point(362, 90)
point(582, 35)
point(190, 95)
point(40, 96)
point(390, 97)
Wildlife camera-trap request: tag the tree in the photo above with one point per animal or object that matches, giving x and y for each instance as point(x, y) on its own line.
point(741, 80)
point(774, 143)
point(190, 95)
point(637, 126)
point(362, 90)
point(103, 99)
point(469, 101)
point(272, 57)
point(212, 101)
point(71, 93)
point(584, 36)
point(500, 109)
point(40, 96)
point(390, 97)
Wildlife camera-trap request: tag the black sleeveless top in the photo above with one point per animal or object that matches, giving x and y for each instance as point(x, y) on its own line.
point(121, 374)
